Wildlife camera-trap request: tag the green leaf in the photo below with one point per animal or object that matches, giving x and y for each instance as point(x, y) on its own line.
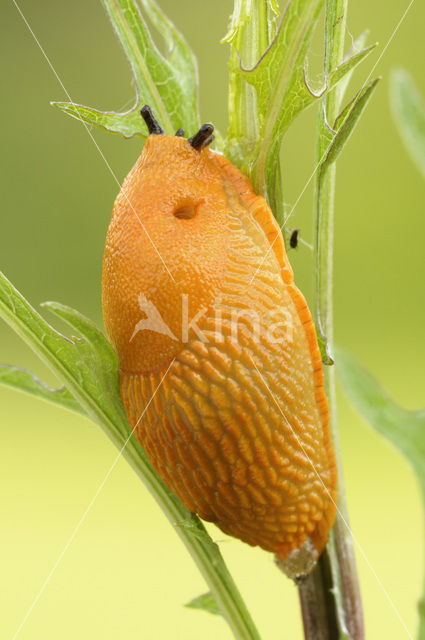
point(81, 367)
point(345, 69)
point(251, 29)
point(257, 17)
point(206, 602)
point(167, 82)
point(26, 381)
point(347, 121)
point(88, 367)
point(357, 46)
point(278, 75)
point(330, 144)
point(127, 124)
point(179, 56)
point(408, 108)
point(405, 429)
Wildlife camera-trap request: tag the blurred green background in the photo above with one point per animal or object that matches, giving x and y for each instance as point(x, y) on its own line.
point(126, 575)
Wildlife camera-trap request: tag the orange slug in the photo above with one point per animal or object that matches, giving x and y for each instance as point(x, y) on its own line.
point(220, 370)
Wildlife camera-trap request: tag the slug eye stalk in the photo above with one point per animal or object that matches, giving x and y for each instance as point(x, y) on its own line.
point(152, 124)
point(203, 138)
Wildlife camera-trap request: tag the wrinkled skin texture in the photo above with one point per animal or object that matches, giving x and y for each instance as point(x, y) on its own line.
point(230, 410)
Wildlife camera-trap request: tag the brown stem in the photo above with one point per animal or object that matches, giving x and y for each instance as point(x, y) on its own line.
point(317, 605)
point(350, 590)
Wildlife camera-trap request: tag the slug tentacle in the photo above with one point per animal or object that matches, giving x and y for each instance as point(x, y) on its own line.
point(203, 137)
point(152, 124)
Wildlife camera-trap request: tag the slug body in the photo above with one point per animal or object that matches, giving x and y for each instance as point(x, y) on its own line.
point(220, 371)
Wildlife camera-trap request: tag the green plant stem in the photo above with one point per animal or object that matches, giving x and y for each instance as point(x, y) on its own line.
point(341, 579)
point(243, 136)
point(249, 41)
point(205, 553)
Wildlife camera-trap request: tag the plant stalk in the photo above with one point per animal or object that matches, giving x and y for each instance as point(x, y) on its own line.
point(204, 552)
point(317, 605)
point(336, 590)
point(250, 38)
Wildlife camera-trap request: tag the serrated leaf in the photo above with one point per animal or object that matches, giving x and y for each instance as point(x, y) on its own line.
point(245, 14)
point(88, 330)
point(167, 82)
point(347, 121)
point(75, 362)
point(278, 78)
point(408, 109)
point(251, 29)
point(358, 44)
point(127, 124)
point(404, 429)
point(333, 141)
point(307, 96)
point(206, 602)
point(179, 56)
point(347, 67)
point(26, 381)
point(88, 367)
point(282, 91)
point(282, 63)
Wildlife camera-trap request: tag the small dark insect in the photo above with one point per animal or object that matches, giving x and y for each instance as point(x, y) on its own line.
point(293, 240)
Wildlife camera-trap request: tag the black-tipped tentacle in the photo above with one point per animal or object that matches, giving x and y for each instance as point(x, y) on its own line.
point(203, 137)
point(180, 133)
point(151, 123)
